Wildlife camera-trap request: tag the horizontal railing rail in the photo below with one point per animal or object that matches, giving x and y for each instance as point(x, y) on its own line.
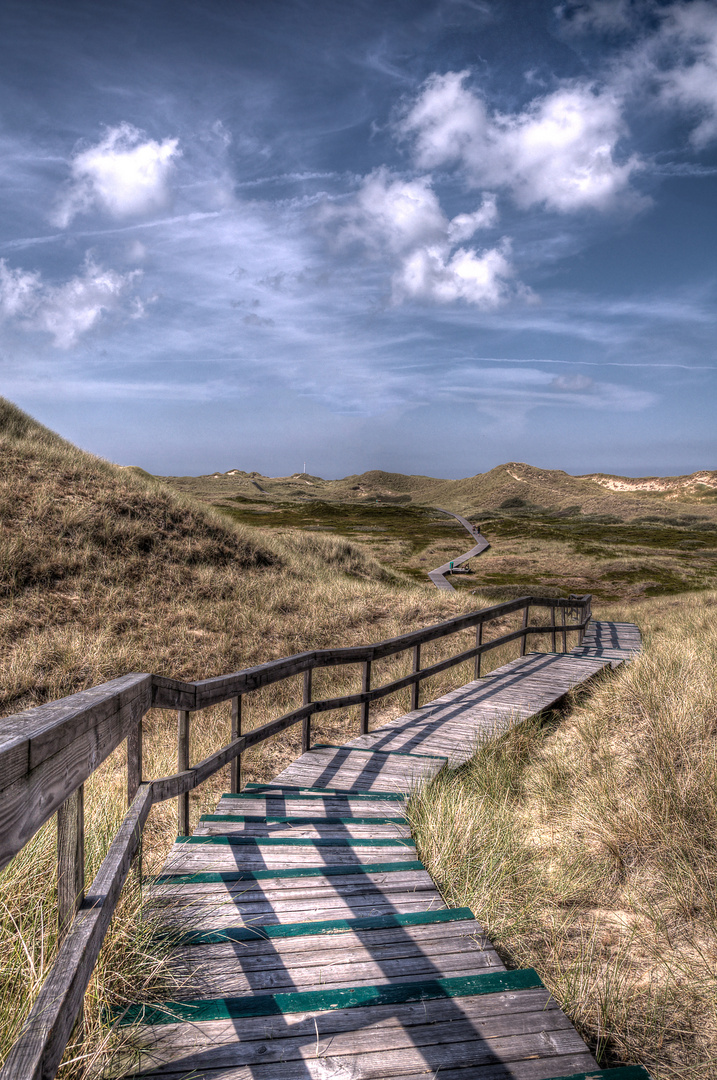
point(48, 752)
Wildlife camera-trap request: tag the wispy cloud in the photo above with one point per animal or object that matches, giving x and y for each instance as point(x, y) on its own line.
point(70, 309)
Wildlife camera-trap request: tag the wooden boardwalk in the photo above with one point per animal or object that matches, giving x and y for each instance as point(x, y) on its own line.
point(315, 944)
point(437, 576)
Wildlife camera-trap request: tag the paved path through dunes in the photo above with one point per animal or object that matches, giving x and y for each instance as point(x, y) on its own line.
point(315, 943)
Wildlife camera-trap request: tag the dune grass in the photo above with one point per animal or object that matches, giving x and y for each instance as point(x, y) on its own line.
point(587, 845)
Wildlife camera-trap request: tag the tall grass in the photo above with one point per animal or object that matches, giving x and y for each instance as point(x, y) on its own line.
point(588, 847)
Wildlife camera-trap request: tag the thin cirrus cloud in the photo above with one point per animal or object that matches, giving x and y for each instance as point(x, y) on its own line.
point(402, 220)
point(560, 152)
point(69, 310)
point(124, 175)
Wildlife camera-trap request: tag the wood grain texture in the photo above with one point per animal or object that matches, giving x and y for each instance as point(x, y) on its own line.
point(38, 1050)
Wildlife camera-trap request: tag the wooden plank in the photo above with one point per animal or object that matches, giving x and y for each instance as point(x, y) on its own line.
point(33, 798)
point(294, 819)
point(345, 882)
point(433, 1046)
point(295, 871)
point(241, 839)
point(134, 761)
point(228, 1008)
point(373, 750)
point(486, 1010)
point(235, 765)
point(70, 859)
point(330, 928)
point(275, 790)
point(249, 979)
point(182, 767)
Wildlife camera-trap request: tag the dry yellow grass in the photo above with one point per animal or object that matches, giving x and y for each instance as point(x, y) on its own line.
point(588, 847)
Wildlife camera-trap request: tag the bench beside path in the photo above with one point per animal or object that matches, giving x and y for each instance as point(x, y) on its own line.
point(316, 945)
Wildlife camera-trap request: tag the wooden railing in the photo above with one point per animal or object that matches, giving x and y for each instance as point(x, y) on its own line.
point(47, 753)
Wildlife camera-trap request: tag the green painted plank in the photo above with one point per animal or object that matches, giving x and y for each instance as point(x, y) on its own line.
point(343, 796)
point(290, 820)
point(327, 926)
point(345, 793)
point(206, 877)
point(237, 840)
point(376, 750)
point(171, 1012)
point(624, 1072)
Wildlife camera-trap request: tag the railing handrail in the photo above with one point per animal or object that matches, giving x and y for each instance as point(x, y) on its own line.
point(47, 752)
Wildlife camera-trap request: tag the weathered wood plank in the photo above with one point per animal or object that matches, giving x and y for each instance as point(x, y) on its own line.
point(33, 798)
point(70, 859)
point(38, 1050)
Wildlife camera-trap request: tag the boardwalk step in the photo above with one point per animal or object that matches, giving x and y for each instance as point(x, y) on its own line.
point(623, 1072)
point(258, 819)
point(314, 792)
point(328, 926)
point(236, 840)
point(298, 871)
point(374, 750)
point(172, 1012)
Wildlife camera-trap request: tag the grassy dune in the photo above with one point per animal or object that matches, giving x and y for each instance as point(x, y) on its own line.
point(586, 845)
point(104, 571)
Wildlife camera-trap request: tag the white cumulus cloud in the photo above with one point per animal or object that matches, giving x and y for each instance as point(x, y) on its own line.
point(433, 274)
point(70, 309)
point(559, 152)
point(125, 174)
point(402, 221)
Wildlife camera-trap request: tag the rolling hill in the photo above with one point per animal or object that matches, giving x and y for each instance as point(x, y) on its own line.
point(514, 482)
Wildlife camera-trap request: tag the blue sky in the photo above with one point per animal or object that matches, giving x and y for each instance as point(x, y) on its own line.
point(420, 236)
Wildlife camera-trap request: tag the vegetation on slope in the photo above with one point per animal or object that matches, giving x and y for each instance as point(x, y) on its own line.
point(104, 571)
point(588, 847)
point(550, 489)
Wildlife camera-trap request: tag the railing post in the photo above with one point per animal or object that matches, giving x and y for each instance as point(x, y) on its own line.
point(306, 722)
point(134, 779)
point(235, 766)
point(552, 632)
point(70, 858)
point(182, 766)
point(565, 636)
point(365, 687)
point(479, 641)
point(526, 615)
point(134, 761)
point(416, 687)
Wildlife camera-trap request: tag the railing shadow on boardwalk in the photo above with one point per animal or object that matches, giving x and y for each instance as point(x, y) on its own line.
point(310, 1039)
point(48, 752)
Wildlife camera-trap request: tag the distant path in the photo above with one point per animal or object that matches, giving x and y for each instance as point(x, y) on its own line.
point(437, 576)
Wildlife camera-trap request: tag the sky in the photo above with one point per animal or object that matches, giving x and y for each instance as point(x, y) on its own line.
point(426, 236)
